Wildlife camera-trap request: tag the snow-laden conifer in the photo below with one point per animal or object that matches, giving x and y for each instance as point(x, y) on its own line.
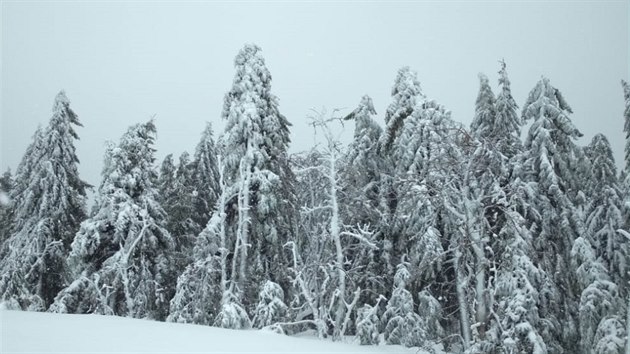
point(48, 205)
point(362, 203)
point(401, 322)
point(551, 158)
point(205, 177)
point(484, 121)
point(271, 307)
point(124, 248)
point(256, 169)
point(406, 94)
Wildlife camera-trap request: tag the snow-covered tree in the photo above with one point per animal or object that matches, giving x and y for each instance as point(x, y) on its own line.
point(604, 212)
point(311, 280)
point(205, 177)
point(599, 300)
point(48, 205)
point(262, 215)
point(271, 307)
point(198, 294)
point(506, 131)
point(124, 247)
point(361, 196)
point(176, 196)
point(550, 159)
point(402, 324)
point(516, 292)
point(367, 325)
point(362, 168)
point(203, 284)
point(406, 94)
point(484, 121)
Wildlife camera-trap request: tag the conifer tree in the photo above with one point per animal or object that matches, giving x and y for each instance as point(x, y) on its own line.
point(402, 324)
point(49, 204)
point(484, 121)
point(205, 177)
point(255, 143)
point(406, 94)
point(604, 212)
point(271, 307)
point(122, 253)
point(198, 294)
point(551, 156)
point(361, 195)
point(506, 132)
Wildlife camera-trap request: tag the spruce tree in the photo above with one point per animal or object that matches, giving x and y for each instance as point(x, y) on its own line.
point(406, 94)
point(122, 253)
point(550, 159)
point(484, 121)
point(604, 211)
point(361, 196)
point(49, 204)
point(507, 129)
point(198, 293)
point(205, 177)
point(255, 143)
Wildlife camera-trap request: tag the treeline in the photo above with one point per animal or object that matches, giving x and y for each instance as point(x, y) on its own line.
point(419, 232)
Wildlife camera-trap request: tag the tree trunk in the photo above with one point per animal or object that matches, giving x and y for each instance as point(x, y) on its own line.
point(461, 298)
point(334, 232)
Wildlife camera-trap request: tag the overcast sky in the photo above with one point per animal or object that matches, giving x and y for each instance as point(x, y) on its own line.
point(123, 62)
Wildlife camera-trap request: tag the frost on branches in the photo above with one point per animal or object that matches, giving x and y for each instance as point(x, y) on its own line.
point(48, 204)
point(122, 252)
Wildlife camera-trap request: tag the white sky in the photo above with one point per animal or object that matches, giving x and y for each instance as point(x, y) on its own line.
point(122, 62)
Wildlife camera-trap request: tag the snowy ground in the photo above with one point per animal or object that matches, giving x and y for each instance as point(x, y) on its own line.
point(34, 332)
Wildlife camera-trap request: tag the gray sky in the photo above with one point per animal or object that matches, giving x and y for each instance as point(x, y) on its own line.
point(122, 62)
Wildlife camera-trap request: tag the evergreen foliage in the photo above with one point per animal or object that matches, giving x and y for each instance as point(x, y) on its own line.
point(124, 248)
point(48, 205)
point(423, 233)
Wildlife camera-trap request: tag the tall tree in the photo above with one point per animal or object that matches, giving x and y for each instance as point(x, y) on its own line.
point(507, 305)
point(177, 197)
point(361, 196)
point(550, 159)
point(178, 203)
point(201, 288)
point(255, 143)
point(49, 204)
point(122, 252)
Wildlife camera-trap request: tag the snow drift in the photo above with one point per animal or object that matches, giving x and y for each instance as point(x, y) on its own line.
point(36, 332)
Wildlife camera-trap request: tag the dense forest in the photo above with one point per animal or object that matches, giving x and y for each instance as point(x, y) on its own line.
point(419, 231)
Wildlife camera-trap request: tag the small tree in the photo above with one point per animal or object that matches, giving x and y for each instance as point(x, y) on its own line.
point(402, 324)
point(271, 307)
